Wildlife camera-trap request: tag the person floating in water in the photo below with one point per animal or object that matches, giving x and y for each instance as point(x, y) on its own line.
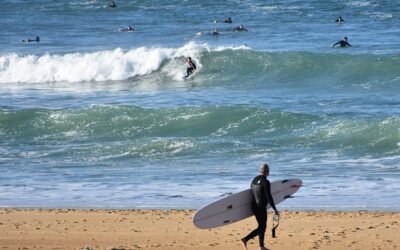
point(339, 20)
point(31, 40)
point(229, 20)
point(240, 28)
point(215, 32)
point(342, 43)
point(261, 190)
point(112, 4)
point(129, 29)
point(191, 67)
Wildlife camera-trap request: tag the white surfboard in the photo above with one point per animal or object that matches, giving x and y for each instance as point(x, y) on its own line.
point(237, 207)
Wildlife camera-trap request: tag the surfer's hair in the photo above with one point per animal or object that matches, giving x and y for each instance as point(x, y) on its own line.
point(264, 168)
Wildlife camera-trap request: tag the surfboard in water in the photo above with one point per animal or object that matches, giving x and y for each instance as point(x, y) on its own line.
point(237, 207)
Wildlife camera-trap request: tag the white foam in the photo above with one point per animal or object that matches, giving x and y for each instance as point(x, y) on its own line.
point(108, 65)
point(360, 4)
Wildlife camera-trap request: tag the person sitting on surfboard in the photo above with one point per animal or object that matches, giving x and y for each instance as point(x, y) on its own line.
point(229, 20)
point(339, 20)
point(261, 188)
point(342, 43)
point(112, 4)
point(215, 32)
point(240, 28)
point(191, 67)
point(128, 29)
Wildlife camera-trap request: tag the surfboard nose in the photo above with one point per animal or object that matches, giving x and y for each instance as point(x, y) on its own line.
point(296, 183)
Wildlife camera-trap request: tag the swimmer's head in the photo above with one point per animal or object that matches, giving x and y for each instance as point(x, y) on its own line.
point(264, 169)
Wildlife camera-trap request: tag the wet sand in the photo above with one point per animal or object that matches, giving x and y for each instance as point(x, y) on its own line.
point(173, 229)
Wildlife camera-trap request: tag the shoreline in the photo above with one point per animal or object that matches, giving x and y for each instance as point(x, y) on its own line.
point(72, 228)
point(284, 209)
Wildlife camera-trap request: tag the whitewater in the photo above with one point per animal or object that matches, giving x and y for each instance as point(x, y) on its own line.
point(95, 117)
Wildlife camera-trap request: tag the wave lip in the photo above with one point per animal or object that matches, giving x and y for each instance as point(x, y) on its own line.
point(98, 66)
point(111, 65)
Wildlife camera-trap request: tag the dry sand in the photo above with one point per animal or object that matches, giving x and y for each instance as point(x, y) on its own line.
point(173, 229)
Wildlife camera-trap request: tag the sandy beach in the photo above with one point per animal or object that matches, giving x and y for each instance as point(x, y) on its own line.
point(173, 229)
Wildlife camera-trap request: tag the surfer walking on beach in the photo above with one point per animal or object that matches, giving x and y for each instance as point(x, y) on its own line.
point(191, 67)
point(261, 188)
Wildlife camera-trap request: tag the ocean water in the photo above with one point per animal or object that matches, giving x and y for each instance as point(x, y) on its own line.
point(94, 117)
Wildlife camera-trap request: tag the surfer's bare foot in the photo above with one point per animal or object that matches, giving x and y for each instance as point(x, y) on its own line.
point(244, 243)
point(263, 248)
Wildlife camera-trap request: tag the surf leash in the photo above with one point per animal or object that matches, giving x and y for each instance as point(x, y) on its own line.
point(275, 224)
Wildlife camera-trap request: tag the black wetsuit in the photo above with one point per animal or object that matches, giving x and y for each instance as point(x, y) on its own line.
point(339, 20)
point(342, 43)
point(31, 40)
point(190, 69)
point(262, 196)
point(240, 28)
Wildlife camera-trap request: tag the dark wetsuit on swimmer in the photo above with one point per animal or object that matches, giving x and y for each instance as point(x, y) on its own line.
point(31, 40)
point(229, 20)
point(261, 188)
point(339, 20)
point(240, 28)
point(112, 5)
point(129, 29)
point(215, 32)
point(342, 43)
point(191, 67)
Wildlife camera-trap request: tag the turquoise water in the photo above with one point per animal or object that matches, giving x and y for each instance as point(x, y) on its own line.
point(95, 117)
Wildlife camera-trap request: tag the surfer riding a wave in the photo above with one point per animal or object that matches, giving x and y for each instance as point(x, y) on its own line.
point(191, 67)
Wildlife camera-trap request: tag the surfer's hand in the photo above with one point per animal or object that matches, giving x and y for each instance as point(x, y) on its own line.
point(276, 212)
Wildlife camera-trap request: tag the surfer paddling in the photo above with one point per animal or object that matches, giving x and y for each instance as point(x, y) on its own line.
point(343, 43)
point(261, 188)
point(31, 40)
point(191, 67)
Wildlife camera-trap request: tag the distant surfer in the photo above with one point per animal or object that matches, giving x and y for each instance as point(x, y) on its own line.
point(229, 20)
point(191, 67)
point(342, 43)
point(215, 32)
point(31, 40)
point(112, 5)
point(339, 20)
point(128, 29)
point(240, 28)
point(261, 188)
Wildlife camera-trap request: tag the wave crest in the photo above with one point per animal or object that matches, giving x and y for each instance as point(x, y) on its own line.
point(111, 65)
